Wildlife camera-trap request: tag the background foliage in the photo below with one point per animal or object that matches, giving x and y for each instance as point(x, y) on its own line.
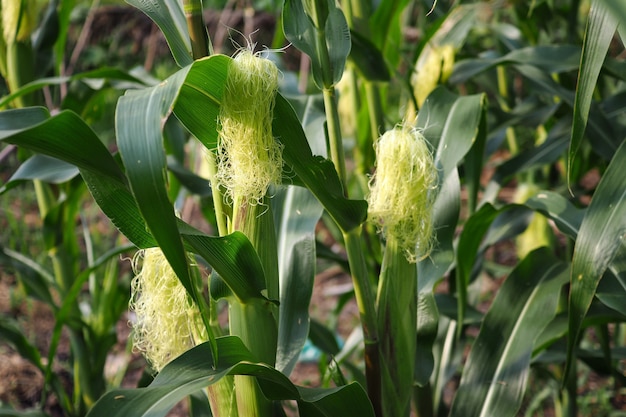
point(520, 306)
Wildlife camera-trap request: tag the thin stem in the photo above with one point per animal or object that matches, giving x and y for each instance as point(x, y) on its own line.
point(377, 116)
point(200, 42)
point(367, 311)
point(218, 197)
point(334, 134)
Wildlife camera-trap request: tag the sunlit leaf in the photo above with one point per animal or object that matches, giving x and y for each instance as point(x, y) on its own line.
point(600, 30)
point(196, 369)
point(496, 373)
point(601, 235)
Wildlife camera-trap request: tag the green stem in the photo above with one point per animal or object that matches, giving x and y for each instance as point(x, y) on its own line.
point(218, 196)
point(367, 310)
point(334, 134)
point(200, 43)
point(423, 397)
point(255, 321)
point(358, 268)
point(377, 116)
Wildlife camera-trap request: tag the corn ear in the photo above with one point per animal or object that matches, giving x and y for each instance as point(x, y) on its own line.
point(168, 322)
point(434, 69)
point(249, 158)
point(402, 191)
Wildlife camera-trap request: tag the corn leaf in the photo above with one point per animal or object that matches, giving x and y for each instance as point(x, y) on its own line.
point(496, 371)
point(566, 216)
point(367, 59)
point(169, 17)
point(451, 123)
point(601, 27)
point(600, 236)
point(296, 220)
point(196, 369)
point(33, 276)
point(138, 123)
point(431, 270)
point(454, 126)
point(44, 168)
point(326, 42)
point(232, 256)
point(548, 58)
point(618, 8)
point(33, 128)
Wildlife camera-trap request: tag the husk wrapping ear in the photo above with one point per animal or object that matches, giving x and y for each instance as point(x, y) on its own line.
point(249, 158)
point(435, 69)
point(18, 19)
point(402, 191)
point(168, 323)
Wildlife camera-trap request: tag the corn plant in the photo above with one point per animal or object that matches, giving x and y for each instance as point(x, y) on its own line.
point(411, 214)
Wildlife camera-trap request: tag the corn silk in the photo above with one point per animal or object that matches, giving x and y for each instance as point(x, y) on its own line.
point(402, 191)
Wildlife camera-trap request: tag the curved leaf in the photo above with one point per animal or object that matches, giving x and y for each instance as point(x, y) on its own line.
point(549, 58)
point(169, 17)
point(44, 168)
point(367, 59)
point(33, 128)
point(496, 372)
point(196, 369)
point(451, 123)
point(139, 120)
point(601, 27)
point(326, 42)
point(600, 237)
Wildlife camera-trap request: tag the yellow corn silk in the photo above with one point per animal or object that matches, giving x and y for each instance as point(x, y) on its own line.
point(402, 191)
point(434, 69)
point(249, 158)
point(168, 323)
point(19, 18)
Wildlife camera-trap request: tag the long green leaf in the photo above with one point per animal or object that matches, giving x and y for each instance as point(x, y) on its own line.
point(197, 369)
point(431, 270)
point(549, 58)
point(139, 119)
point(600, 237)
point(296, 249)
point(601, 27)
point(33, 128)
point(496, 372)
point(618, 8)
point(451, 124)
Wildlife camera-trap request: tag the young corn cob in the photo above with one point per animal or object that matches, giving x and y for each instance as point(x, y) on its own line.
point(400, 204)
point(432, 71)
point(249, 160)
point(168, 322)
point(402, 190)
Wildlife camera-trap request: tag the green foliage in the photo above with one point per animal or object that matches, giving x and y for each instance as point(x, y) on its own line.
point(534, 101)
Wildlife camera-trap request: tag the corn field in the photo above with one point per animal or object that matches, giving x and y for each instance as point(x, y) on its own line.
point(459, 162)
